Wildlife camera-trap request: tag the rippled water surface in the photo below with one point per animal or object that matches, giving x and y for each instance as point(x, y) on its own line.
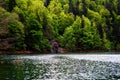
point(60, 67)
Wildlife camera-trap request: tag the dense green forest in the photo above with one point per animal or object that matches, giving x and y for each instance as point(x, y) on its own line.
point(75, 24)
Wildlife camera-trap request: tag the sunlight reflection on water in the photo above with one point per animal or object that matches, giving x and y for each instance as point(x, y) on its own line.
point(60, 67)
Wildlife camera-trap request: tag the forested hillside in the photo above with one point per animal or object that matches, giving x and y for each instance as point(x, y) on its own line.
point(75, 24)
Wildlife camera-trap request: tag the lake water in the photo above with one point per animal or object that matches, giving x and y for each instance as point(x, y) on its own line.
point(79, 66)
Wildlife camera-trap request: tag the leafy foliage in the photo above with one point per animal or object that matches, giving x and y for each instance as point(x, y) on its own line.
point(12, 31)
point(75, 24)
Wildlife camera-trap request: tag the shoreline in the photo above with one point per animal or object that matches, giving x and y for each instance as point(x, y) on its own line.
point(48, 52)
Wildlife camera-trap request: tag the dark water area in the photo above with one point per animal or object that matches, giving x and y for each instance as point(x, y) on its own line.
point(60, 67)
